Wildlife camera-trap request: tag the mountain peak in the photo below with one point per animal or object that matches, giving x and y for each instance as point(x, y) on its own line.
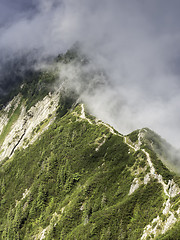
point(65, 174)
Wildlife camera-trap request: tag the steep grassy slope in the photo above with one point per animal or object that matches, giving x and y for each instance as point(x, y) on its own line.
point(80, 179)
point(163, 149)
point(74, 183)
point(166, 224)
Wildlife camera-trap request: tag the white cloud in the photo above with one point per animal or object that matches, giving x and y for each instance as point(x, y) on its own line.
point(136, 42)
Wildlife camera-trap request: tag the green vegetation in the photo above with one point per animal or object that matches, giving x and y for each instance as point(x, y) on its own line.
point(4, 99)
point(66, 102)
point(160, 167)
point(68, 179)
point(64, 185)
point(36, 86)
point(42, 125)
point(172, 234)
point(165, 152)
point(73, 54)
point(13, 118)
point(156, 147)
point(134, 136)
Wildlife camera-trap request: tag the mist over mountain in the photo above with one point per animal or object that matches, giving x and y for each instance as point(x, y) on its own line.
point(135, 43)
point(89, 120)
point(66, 174)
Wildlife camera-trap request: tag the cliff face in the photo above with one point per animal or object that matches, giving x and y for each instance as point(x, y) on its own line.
point(71, 176)
point(19, 127)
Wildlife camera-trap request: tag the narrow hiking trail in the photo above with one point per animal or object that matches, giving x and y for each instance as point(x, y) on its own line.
point(136, 147)
point(152, 173)
point(98, 122)
point(110, 128)
point(83, 115)
point(170, 190)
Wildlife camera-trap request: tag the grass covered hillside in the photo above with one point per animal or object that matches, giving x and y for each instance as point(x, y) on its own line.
point(66, 175)
point(83, 180)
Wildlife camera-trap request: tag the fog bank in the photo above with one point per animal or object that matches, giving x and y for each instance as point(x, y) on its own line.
point(136, 43)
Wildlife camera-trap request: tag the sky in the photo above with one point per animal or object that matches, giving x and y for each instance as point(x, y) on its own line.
point(135, 42)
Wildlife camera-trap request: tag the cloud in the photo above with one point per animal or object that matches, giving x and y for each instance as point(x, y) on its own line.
point(135, 42)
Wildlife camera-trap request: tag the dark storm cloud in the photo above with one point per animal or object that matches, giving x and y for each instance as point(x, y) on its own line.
point(137, 43)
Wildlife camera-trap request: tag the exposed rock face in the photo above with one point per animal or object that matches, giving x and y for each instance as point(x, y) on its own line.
point(134, 186)
point(29, 125)
point(173, 188)
point(5, 112)
point(147, 178)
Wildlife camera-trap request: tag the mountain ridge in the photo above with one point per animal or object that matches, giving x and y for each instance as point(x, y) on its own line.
point(64, 174)
point(141, 175)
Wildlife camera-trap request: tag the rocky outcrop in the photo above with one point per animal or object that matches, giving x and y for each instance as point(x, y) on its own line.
point(29, 125)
